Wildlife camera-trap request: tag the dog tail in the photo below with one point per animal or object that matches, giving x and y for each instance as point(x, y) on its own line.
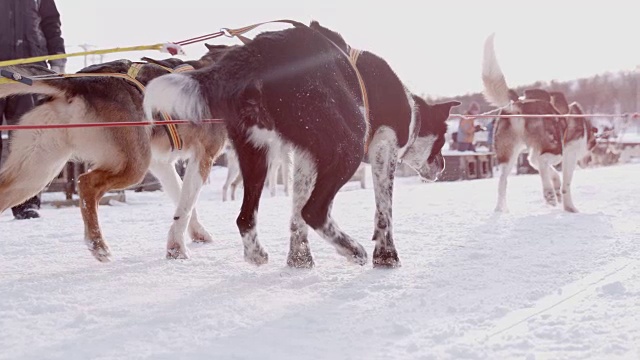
point(496, 90)
point(38, 87)
point(48, 87)
point(36, 157)
point(179, 95)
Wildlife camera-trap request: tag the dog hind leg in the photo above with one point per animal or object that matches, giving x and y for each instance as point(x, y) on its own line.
point(197, 172)
point(253, 165)
point(557, 183)
point(569, 162)
point(234, 185)
point(233, 171)
point(91, 187)
point(27, 172)
point(172, 185)
point(505, 166)
point(316, 211)
point(35, 158)
point(303, 182)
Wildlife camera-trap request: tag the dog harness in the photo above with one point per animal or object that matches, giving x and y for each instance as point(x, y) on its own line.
point(354, 54)
point(7, 76)
point(172, 130)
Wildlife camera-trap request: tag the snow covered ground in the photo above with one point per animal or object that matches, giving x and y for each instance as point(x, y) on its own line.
point(536, 283)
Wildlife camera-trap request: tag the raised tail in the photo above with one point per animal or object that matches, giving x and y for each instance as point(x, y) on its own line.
point(179, 95)
point(496, 90)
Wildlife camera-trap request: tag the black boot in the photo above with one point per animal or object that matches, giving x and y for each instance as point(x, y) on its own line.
point(28, 209)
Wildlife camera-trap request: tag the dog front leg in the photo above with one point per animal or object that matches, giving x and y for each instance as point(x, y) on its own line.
point(569, 161)
point(384, 156)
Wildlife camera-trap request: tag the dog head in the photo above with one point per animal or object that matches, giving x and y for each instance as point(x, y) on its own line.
point(215, 53)
point(117, 66)
point(424, 156)
point(170, 63)
point(591, 131)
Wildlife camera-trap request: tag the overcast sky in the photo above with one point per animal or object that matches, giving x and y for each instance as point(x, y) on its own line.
point(434, 46)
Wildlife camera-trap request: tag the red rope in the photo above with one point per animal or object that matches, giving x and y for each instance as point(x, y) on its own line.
point(221, 121)
point(460, 116)
point(103, 124)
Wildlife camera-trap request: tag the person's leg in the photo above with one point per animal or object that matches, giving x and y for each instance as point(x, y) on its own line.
point(15, 107)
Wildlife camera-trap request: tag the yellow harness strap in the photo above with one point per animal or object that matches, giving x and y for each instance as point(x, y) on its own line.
point(134, 70)
point(182, 68)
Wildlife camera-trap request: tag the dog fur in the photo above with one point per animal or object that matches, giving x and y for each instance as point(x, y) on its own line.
point(281, 164)
point(550, 141)
point(118, 156)
point(286, 87)
point(404, 128)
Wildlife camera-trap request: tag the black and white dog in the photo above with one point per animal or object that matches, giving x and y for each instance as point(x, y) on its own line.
point(403, 128)
point(292, 86)
point(296, 87)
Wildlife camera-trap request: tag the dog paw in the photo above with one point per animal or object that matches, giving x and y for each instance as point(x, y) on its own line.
point(559, 197)
point(571, 209)
point(550, 198)
point(100, 250)
point(501, 209)
point(300, 259)
point(358, 256)
point(176, 251)
point(385, 258)
point(201, 236)
point(256, 257)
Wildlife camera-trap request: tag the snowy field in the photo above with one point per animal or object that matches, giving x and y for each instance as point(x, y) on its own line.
point(536, 283)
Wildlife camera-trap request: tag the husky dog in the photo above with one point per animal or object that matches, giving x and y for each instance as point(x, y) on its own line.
point(550, 141)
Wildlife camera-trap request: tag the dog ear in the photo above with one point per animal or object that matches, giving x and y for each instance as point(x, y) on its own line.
point(333, 36)
point(116, 66)
point(442, 110)
point(215, 47)
point(170, 63)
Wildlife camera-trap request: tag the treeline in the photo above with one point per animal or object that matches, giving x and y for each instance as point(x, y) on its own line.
point(611, 93)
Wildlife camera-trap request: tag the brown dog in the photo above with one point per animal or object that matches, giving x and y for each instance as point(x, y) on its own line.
point(119, 156)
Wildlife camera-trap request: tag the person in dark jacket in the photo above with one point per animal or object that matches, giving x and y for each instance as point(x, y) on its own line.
point(28, 28)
